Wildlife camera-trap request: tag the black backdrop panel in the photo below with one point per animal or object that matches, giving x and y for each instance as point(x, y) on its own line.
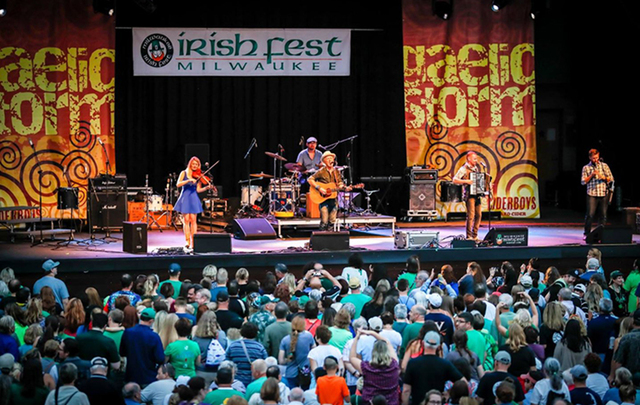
point(160, 115)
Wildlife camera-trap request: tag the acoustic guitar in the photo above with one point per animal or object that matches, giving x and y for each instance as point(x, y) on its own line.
point(331, 191)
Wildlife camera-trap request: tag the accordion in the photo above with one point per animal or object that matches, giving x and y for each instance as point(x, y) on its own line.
point(478, 183)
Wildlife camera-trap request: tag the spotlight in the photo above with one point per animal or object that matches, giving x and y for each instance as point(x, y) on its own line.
point(496, 5)
point(442, 8)
point(536, 8)
point(105, 7)
point(3, 8)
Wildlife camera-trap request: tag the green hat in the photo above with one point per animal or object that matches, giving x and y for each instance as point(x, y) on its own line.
point(148, 314)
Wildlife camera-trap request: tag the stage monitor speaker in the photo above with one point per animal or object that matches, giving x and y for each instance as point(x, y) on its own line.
point(253, 228)
point(463, 244)
point(422, 197)
point(516, 236)
point(212, 242)
point(107, 209)
point(199, 150)
point(134, 237)
point(329, 240)
point(610, 235)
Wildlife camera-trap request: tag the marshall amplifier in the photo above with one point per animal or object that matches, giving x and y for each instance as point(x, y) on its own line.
point(107, 209)
point(108, 182)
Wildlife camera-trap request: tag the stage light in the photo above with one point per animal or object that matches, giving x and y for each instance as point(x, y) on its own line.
point(442, 8)
point(3, 8)
point(105, 7)
point(497, 5)
point(536, 8)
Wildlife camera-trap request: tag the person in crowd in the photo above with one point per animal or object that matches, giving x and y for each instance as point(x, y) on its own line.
point(143, 349)
point(155, 392)
point(318, 354)
point(631, 285)
point(293, 353)
point(245, 351)
point(340, 331)
point(31, 388)
point(236, 304)
point(389, 333)
point(174, 280)
point(356, 297)
point(523, 359)
point(98, 388)
point(485, 390)
point(412, 267)
point(427, 372)
point(581, 394)
point(596, 380)
point(93, 343)
point(460, 339)
point(226, 318)
point(619, 295)
point(66, 391)
point(224, 390)
point(264, 315)
point(601, 329)
point(473, 277)
point(59, 288)
point(222, 278)
point(622, 377)
point(183, 354)
point(132, 394)
point(259, 376)
point(355, 268)
point(8, 344)
point(374, 307)
point(331, 388)
point(573, 347)
point(416, 317)
point(126, 283)
point(551, 387)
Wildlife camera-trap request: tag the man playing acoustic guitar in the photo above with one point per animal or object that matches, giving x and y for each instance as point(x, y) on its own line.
point(324, 186)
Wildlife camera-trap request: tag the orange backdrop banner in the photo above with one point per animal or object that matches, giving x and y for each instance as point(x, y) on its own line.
point(470, 86)
point(57, 66)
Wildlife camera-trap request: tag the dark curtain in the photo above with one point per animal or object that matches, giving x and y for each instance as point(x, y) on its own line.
point(156, 116)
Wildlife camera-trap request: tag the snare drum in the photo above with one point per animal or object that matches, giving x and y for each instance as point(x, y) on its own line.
point(155, 202)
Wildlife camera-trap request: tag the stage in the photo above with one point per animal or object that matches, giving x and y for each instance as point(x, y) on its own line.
point(554, 243)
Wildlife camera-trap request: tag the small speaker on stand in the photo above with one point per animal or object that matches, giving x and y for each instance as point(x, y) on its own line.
point(134, 237)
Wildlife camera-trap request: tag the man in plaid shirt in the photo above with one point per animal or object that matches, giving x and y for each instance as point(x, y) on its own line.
point(597, 176)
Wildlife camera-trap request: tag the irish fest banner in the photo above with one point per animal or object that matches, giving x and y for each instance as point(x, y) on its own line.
point(56, 99)
point(241, 52)
point(470, 86)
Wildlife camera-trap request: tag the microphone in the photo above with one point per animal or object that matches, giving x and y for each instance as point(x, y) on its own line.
point(281, 148)
point(482, 163)
point(255, 142)
point(30, 142)
point(100, 141)
point(301, 143)
point(206, 164)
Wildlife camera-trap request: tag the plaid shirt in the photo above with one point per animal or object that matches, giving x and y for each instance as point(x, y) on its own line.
point(596, 187)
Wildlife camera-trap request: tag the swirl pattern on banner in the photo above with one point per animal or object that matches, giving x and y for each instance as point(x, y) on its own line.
point(10, 155)
point(511, 145)
point(83, 138)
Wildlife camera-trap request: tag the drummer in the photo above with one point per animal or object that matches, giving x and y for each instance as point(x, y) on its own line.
point(310, 159)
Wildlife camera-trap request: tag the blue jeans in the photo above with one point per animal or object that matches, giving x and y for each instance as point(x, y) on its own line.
point(328, 214)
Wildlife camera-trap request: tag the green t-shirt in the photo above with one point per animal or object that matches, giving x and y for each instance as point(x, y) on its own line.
point(182, 355)
point(409, 333)
point(358, 300)
point(411, 278)
point(20, 331)
point(631, 284)
point(39, 397)
point(220, 396)
point(254, 387)
point(476, 343)
point(176, 287)
point(339, 337)
point(116, 336)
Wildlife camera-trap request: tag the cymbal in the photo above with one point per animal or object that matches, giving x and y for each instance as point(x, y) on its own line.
point(261, 175)
point(275, 156)
point(294, 167)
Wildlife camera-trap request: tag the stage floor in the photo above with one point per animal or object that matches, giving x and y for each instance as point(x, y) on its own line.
point(376, 244)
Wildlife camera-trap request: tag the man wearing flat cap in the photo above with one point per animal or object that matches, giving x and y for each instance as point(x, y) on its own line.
point(325, 181)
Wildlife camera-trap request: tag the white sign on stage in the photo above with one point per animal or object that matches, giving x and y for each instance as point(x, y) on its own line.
point(241, 52)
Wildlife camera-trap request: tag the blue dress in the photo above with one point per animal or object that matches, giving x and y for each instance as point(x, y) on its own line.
point(189, 202)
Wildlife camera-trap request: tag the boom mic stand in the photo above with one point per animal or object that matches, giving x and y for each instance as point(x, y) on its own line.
point(246, 206)
point(108, 189)
point(35, 153)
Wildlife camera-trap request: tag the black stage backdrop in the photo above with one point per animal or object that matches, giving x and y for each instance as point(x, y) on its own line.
point(156, 116)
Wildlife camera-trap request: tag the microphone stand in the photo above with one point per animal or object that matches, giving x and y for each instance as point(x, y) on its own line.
point(247, 156)
point(35, 153)
point(107, 234)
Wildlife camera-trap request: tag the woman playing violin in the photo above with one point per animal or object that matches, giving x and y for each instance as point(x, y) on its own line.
point(192, 182)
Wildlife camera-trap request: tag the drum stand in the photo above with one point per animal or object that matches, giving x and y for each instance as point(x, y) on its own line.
point(368, 193)
point(148, 218)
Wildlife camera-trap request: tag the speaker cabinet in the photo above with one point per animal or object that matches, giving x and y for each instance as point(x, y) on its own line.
point(610, 235)
point(134, 237)
point(329, 241)
point(422, 197)
point(212, 242)
point(252, 228)
point(463, 244)
point(516, 236)
point(107, 209)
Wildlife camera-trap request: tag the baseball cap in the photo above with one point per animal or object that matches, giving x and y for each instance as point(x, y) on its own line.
point(312, 139)
point(526, 281)
point(99, 362)
point(6, 362)
point(580, 287)
point(182, 380)
point(593, 264)
point(222, 296)
point(615, 274)
point(435, 300)
point(375, 323)
point(263, 300)
point(354, 283)
point(432, 339)
point(303, 300)
point(503, 357)
point(574, 273)
point(174, 268)
point(282, 268)
point(579, 372)
point(49, 265)
point(148, 314)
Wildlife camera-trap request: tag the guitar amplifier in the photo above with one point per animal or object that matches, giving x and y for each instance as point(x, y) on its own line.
point(416, 239)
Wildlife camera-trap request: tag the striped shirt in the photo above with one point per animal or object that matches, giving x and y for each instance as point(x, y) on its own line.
point(237, 354)
point(596, 187)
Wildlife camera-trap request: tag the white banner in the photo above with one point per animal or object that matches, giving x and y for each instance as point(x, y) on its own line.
point(241, 52)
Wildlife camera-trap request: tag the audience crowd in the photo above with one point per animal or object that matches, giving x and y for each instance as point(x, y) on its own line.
point(523, 335)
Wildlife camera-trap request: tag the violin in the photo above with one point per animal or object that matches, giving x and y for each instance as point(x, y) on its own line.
point(202, 179)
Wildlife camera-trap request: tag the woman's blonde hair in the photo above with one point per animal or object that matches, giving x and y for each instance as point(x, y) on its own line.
point(523, 318)
point(150, 285)
point(34, 311)
point(592, 297)
point(242, 274)
point(94, 296)
point(553, 316)
point(517, 338)
point(208, 325)
point(380, 356)
point(168, 332)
